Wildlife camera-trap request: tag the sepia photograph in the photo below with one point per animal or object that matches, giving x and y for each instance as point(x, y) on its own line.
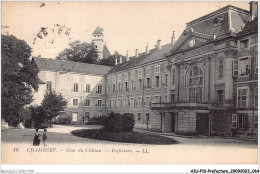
point(169, 82)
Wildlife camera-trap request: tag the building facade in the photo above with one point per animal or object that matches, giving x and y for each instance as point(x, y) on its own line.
point(82, 85)
point(204, 83)
point(214, 65)
point(133, 86)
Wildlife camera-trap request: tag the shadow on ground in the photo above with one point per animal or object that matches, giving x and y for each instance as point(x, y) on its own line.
point(124, 137)
point(57, 134)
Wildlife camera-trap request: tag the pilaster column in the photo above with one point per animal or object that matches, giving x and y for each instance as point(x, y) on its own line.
point(228, 81)
point(228, 77)
point(177, 83)
point(181, 84)
point(207, 80)
point(169, 82)
point(212, 77)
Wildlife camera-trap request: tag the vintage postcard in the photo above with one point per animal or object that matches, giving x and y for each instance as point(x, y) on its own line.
point(129, 82)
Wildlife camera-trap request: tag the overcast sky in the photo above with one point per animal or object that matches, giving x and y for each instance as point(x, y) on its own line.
point(127, 25)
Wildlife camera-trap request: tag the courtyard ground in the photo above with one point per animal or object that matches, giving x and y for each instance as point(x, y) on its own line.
point(210, 150)
point(62, 134)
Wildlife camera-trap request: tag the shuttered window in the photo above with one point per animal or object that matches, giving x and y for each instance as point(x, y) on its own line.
point(235, 68)
point(234, 120)
point(242, 97)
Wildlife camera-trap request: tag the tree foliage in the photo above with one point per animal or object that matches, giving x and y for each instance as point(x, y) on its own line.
point(53, 104)
point(111, 60)
point(116, 122)
point(38, 116)
point(19, 78)
point(80, 52)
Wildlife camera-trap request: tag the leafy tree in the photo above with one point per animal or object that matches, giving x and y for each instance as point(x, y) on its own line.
point(80, 52)
point(19, 78)
point(53, 104)
point(110, 61)
point(38, 116)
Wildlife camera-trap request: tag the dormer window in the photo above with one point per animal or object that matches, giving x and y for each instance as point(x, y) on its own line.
point(244, 43)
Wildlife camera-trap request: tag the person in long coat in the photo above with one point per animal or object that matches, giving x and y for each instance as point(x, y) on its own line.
point(36, 139)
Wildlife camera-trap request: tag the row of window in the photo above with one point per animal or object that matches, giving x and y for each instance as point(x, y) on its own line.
point(245, 43)
point(243, 97)
point(134, 102)
point(75, 102)
point(75, 88)
point(63, 78)
point(242, 66)
point(132, 74)
point(240, 121)
point(147, 117)
point(148, 84)
point(85, 118)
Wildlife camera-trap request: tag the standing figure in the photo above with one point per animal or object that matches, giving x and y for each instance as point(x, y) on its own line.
point(44, 136)
point(36, 139)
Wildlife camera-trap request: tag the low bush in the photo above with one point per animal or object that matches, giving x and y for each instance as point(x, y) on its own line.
point(128, 122)
point(188, 133)
point(119, 123)
point(63, 120)
point(97, 120)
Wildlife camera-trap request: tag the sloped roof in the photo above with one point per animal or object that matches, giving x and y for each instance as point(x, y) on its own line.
point(214, 25)
point(133, 61)
point(106, 52)
point(98, 30)
point(250, 27)
point(143, 58)
point(69, 66)
point(157, 54)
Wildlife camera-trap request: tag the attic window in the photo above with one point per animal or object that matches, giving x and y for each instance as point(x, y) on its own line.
point(217, 22)
point(244, 43)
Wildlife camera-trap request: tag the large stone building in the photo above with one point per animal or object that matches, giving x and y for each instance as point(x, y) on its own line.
point(81, 84)
point(133, 85)
point(214, 65)
point(204, 83)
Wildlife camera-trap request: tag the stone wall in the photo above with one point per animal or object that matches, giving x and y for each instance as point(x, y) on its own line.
point(221, 122)
point(155, 121)
point(186, 121)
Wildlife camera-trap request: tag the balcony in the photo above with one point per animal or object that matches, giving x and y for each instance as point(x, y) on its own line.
point(182, 105)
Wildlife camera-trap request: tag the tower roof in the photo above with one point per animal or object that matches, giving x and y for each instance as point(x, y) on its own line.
point(98, 30)
point(106, 52)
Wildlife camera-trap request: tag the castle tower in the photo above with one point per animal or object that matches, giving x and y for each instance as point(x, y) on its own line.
point(98, 41)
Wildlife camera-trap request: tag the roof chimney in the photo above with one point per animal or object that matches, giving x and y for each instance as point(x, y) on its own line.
point(120, 59)
point(127, 56)
point(116, 61)
point(253, 10)
point(159, 44)
point(136, 53)
point(173, 39)
point(147, 49)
